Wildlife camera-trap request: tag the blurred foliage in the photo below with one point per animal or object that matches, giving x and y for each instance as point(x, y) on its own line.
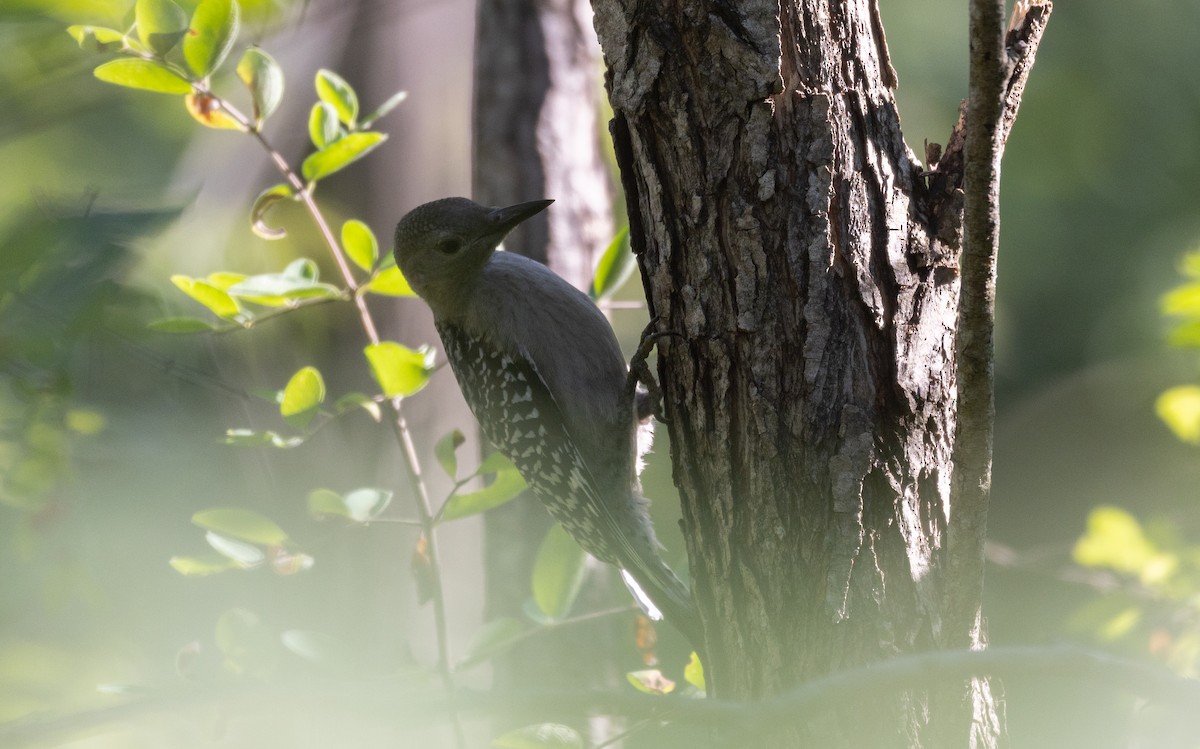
point(1152, 606)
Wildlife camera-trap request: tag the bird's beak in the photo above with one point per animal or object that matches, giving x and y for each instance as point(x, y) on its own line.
point(505, 219)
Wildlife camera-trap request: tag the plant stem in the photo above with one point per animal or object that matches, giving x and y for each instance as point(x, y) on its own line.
point(398, 423)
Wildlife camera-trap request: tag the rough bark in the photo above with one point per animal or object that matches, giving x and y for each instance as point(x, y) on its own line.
point(790, 238)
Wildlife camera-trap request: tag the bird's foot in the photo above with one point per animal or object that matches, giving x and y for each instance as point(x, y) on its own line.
point(647, 402)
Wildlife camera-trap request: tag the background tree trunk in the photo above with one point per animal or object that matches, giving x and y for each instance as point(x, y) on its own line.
point(537, 135)
point(785, 232)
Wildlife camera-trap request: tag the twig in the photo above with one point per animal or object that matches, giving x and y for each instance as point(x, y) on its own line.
point(996, 83)
point(397, 421)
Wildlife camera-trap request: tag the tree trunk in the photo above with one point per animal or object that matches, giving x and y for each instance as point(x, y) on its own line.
point(787, 235)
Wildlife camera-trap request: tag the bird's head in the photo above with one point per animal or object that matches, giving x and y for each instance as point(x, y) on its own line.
point(441, 246)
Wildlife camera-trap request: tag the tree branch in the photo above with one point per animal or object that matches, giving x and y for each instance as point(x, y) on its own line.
point(393, 701)
point(1000, 63)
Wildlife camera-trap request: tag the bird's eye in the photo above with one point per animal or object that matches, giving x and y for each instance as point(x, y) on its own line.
point(449, 246)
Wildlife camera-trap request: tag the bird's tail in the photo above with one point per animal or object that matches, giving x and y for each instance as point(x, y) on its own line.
point(661, 594)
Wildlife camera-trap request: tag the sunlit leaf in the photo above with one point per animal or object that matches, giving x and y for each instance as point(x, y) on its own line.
point(97, 38)
point(614, 268)
point(147, 75)
point(391, 282)
point(264, 79)
point(421, 567)
point(160, 24)
point(279, 289)
point(251, 438)
point(493, 638)
point(1182, 300)
point(206, 109)
point(557, 573)
point(445, 450)
point(243, 554)
point(1116, 540)
point(241, 523)
point(202, 566)
point(392, 102)
point(323, 503)
point(262, 203)
point(351, 401)
point(303, 395)
point(399, 370)
point(219, 302)
point(507, 486)
point(340, 154)
point(367, 503)
point(334, 90)
point(211, 35)
point(651, 681)
point(693, 672)
point(317, 647)
point(323, 124)
point(181, 325)
point(1179, 408)
point(360, 244)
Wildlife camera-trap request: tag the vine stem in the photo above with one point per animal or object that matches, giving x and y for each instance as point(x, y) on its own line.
point(397, 420)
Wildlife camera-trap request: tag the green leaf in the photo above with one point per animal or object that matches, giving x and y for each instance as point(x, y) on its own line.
point(251, 438)
point(160, 24)
point(614, 268)
point(693, 672)
point(209, 564)
point(445, 451)
point(240, 523)
point(494, 463)
point(302, 397)
point(358, 400)
point(303, 268)
point(323, 125)
point(224, 280)
point(1182, 300)
point(360, 244)
point(264, 79)
point(390, 282)
point(211, 35)
point(324, 503)
point(320, 648)
point(540, 736)
point(219, 302)
point(367, 503)
point(181, 325)
point(399, 370)
point(557, 573)
point(280, 289)
point(207, 110)
point(340, 154)
point(334, 90)
point(146, 75)
point(651, 681)
point(493, 638)
point(1179, 408)
point(262, 204)
point(97, 38)
point(392, 102)
point(242, 554)
point(507, 485)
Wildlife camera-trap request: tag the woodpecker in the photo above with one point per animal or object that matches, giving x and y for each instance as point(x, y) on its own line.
point(541, 369)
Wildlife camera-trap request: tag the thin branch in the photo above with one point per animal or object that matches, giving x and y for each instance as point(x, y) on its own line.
point(397, 421)
point(991, 107)
point(394, 700)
